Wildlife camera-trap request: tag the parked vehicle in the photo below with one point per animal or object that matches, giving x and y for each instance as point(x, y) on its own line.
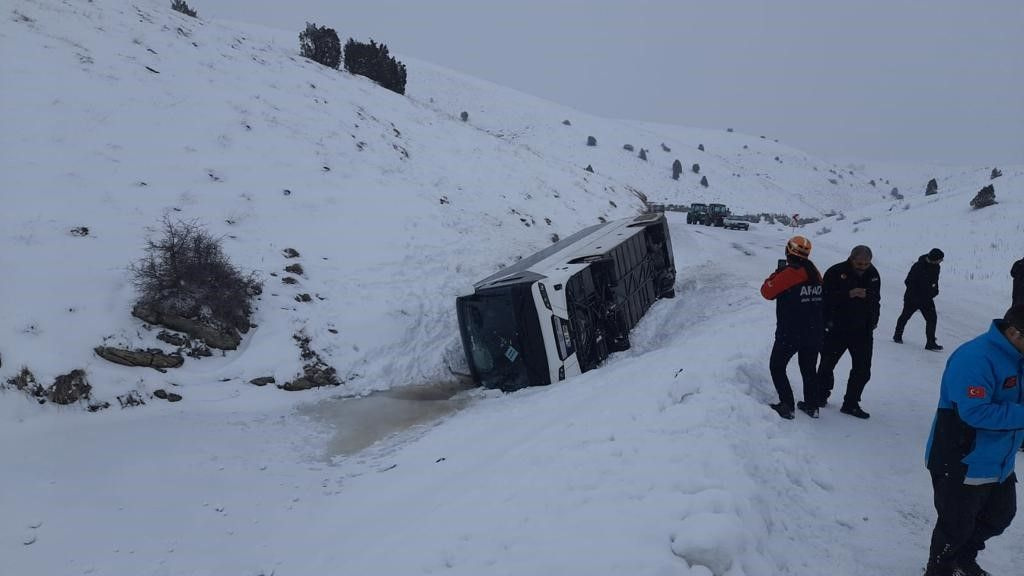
point(561, 311)
point(736, 224)
point(697, 213)
point(717, 214)
point(707, 214)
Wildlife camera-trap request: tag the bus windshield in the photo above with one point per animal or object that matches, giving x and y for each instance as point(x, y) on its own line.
point(492, 337)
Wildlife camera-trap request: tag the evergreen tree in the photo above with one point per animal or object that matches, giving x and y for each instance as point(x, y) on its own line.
point(183, 7)
point(932, 188)
point(374, 62)
point(677, 168)
point(321, 45)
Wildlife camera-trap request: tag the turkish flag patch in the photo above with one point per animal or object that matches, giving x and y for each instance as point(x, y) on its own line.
point(1010, 382)
point(975, 391)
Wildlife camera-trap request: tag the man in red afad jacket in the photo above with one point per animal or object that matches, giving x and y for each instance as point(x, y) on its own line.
point(796, 289)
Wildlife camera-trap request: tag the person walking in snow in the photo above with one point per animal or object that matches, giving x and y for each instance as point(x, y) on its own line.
point(978, 426)
point(852, 299)
point(1017, 273)
point(922, 287)
point(796, 289)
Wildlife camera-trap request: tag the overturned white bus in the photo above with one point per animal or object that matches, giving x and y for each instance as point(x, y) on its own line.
point(561, 311)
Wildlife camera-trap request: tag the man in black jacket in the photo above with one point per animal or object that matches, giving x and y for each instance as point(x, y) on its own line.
point(852, 303)
point(1017, 273)
point(922, 287)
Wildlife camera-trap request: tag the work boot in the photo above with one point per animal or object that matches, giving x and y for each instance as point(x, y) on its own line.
point(969, 567)
point(933, 346)
point(808, 409)
point(855, 411)
point(784, 410)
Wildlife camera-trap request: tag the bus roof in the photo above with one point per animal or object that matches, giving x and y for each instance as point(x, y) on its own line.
point(567, 256)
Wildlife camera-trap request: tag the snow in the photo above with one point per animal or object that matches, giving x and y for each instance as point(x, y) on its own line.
point(666, 460)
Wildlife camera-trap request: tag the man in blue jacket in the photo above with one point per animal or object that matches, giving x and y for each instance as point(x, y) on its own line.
point(972, 448)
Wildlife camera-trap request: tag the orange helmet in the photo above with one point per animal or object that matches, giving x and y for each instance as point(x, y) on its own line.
point(799, 246)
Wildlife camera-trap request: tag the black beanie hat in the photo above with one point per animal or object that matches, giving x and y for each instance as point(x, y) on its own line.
point(935, 254)
point(1015, 317)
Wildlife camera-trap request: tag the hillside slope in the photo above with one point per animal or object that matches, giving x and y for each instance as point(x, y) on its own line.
point(120, 115)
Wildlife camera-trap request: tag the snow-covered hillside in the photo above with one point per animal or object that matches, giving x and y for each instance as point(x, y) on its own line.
point(666, 461)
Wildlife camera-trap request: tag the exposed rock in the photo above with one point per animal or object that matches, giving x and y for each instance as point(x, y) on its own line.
point(70, 388)
point(315, 372)
point(172, 338)
point(146, 358)
point(985, 197)
point(297, 385)
point(199, 351)
point(290, 253)
point(165, 395)
point(294, 269)
point(262, 381)
point(131, 399)
point(225, 339)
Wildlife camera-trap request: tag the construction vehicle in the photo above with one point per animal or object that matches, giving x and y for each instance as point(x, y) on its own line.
point(707, 214)
point(696, 213)
point(717, 213)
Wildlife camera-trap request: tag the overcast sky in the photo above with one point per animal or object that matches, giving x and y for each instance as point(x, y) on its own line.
point(938, 81)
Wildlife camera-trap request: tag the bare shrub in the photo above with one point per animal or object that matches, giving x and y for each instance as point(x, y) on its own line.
point(25, 381)
point(186, 273)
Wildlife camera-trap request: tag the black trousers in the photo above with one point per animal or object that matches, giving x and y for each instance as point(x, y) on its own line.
point(969, 515)
point(927, 308)
point(861, 346)
point(807, 357)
